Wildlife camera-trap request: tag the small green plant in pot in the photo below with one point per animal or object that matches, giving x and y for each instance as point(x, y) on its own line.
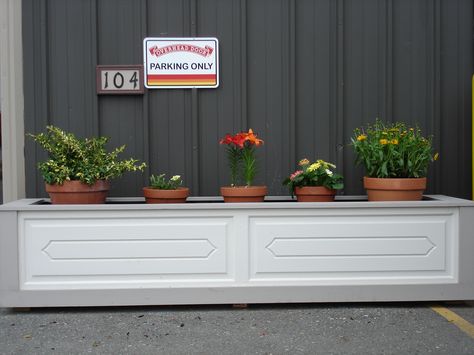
point(163, 190)
point(79, 170)
point(396, 159)
point(314, 182)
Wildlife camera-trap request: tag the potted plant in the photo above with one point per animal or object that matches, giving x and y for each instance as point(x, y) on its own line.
point(396, 160)
point(79, 170)
point(162, 190)
point(314, 182)
point(243, 167)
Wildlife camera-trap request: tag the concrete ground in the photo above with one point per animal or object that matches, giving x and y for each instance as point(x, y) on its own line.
point(389, 328)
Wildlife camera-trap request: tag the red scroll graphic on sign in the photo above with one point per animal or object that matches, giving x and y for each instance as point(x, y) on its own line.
point(159, 51)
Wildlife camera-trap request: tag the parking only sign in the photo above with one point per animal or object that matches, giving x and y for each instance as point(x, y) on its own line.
point(181, 62)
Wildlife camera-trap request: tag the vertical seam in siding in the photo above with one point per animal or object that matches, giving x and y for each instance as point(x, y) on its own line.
point(94, 130)
point(313, 88)
point(411, 54)
point(244, 65)
point(67, 58)
point(45, 37)
point(236, 67)
point(363, 75)
point(340, 126)
point(265, 74)
point(145, 100)
point(461, 143)
point(436, 99)
point(195, 109)
point(334, 145)
point(389, 63)
point(292, 86)
point(44, 32)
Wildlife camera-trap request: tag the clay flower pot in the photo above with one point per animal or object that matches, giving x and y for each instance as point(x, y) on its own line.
point(388, 189)
point(244, 193)
point(314, 194)
point(165, 196)
point(76, 192)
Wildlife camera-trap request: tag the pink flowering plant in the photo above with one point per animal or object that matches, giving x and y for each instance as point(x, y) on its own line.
point(319, 173)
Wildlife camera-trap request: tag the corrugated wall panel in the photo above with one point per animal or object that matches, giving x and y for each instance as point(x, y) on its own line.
point(36, 80)
point(455, 106)
point(316, 81)
point(268, 86)
point(219, 111)
point(365, 77)
point(122, 118)
point(172, 115)
point(302, 73)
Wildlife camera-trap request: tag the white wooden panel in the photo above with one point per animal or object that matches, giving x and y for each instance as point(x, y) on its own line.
point(304, 247)
point(358, 247)
point(85, 250)
point(129, 249)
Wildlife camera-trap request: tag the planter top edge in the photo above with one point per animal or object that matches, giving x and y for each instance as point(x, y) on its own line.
point(215, 202)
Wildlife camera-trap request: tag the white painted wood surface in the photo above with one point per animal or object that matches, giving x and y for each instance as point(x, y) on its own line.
point(77, 252)
point(357, 244)
point(213, 252)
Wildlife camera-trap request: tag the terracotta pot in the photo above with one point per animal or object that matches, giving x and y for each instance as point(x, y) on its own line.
point(165, 196)
point(387, 189)
point(314, 194)
point(76, 192)
point(243, 193)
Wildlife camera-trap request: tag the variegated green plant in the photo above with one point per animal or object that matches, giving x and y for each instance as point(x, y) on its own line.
point(72, 158)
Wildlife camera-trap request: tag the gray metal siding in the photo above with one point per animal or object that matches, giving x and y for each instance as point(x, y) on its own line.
point(301, 73)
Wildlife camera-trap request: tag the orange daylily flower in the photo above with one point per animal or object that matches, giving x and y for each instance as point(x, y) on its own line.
point(239, 139)
point(226, 140)
point(252, 138)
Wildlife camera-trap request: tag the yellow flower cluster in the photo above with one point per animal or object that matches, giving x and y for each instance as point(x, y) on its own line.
point(392, 150)
point(303, 162)
point(314, 166)
point(320, 163)
point(384, 141)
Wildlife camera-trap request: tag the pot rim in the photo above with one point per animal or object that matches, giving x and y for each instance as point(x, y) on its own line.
point(314, 190)
point(69, 186)
point(180, 192)
point(244, 190)
point(395, 183)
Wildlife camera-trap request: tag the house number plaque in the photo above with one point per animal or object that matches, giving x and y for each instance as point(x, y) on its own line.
point(119, 79)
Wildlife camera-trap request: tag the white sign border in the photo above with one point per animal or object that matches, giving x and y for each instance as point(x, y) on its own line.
point(145, 68)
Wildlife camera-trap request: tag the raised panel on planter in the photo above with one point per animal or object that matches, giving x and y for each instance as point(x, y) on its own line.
point(79, 252)
point(333, 248)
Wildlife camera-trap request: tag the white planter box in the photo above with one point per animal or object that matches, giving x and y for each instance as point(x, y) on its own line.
point(209, 252)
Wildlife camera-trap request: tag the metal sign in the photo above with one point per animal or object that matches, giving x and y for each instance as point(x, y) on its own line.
point(119, 79)
point(181, 62)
